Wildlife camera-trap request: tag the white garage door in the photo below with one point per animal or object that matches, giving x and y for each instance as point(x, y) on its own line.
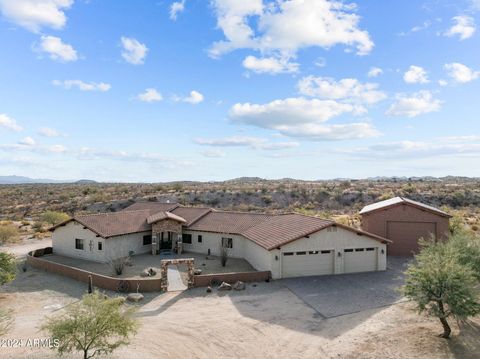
point(360, 259)
point(307, 263)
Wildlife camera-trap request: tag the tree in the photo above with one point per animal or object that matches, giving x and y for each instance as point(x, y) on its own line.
point(53, 218)
point(441, 285)
point(7, 274)
point(8, 267)
point(8, 232)
point(95, 325)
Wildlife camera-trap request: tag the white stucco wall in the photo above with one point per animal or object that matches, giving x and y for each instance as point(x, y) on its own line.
point(213, 241)
point(63, 242)
point(120, 246)
point(338, 239)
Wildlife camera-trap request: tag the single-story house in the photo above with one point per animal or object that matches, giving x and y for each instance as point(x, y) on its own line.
point(288, 245)
point(404, 222)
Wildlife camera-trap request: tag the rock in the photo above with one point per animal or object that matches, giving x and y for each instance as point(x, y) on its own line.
point(225, 286)
point(197, 271)
point(209, 289)
point(135, 297)
point(144, 273)
point(239, 285)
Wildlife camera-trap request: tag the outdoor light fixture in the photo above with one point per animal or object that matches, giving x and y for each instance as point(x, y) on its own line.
point(339, 254)
point(276, 257)
point(383, 251)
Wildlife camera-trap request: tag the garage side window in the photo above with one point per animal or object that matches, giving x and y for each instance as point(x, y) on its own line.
point(100, 246)
point(187, 238)
point(200, 238)
point(79, 243)
point(147, 239)
point(227, 242)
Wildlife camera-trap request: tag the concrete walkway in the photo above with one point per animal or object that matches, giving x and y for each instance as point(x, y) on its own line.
point(174, 279)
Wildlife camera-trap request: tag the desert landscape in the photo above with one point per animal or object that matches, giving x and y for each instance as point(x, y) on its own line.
point(267, 320)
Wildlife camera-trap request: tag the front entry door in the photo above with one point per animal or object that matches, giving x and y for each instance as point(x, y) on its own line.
point(166, 241)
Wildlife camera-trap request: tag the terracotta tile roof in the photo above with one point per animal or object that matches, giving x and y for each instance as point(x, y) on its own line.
point(191, 214)
point(228, 222)
point(153, 207)
point(281, 229)
point(115, 223)
point(164, 215)
point(267, 230)
point(399, 200)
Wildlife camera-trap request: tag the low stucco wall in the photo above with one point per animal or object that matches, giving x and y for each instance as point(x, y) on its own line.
point(204, 280)
point(101, 281)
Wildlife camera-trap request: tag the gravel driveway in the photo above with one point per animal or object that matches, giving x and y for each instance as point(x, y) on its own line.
point(336, 295)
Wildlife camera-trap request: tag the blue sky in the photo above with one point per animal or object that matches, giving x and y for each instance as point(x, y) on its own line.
point(210, 90)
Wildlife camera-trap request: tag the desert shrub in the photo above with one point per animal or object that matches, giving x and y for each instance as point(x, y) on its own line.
point(118, 264)
point(8, 267)
point(95, 325)
point(53, 217)
point(8, 233)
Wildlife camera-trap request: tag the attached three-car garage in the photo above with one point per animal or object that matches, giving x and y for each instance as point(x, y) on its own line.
point(333, 250)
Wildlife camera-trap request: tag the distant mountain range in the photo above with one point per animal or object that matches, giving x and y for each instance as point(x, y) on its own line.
point(28, 180)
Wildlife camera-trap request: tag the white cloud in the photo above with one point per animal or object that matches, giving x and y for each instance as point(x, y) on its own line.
point(194, 98)
point(57, 49)
point(442, 82)
point(213, 153)
point(9, 123)
point(57, 149)
point(300, 117)
point(415, 75)
point(271, 65)
point(350, 90)
point(375, 72)
point(414, 105)
point(461, 73)
point(48, 132)
point(83, 86)
point(27, 141)
point(285, 27)
point(245, 141)
point(320, 62)
point(150, 95)
point(134, 52)
point(464, 27)
point(35, 14)
point(176, 8)
point(407, 150)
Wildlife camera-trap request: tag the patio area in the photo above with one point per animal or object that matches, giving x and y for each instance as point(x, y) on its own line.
point(139, 263)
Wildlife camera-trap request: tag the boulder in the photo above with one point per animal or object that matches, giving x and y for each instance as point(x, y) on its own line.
point(239, 285)
point(225, 286)
point(135, 297)
point(197, 271)
point(209, 289)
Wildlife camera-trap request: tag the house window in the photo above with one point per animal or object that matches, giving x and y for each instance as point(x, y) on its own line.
point(147, 239)
point(187, 238)
point(200, 238)
point(227, 242)
point(100, 246)
point(288, 254)
point(79, 244)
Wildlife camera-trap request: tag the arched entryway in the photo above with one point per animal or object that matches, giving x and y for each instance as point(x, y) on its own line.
point(164, 271)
